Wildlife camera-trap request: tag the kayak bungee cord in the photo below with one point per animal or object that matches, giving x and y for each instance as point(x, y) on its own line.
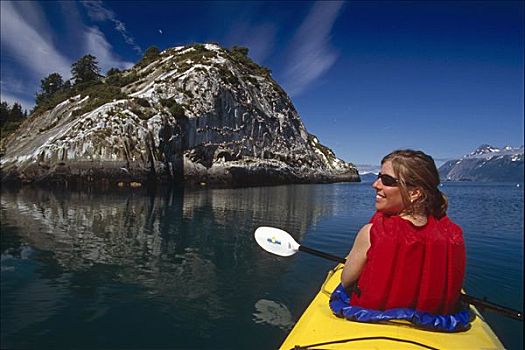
point(279, 242)
point(311, 346)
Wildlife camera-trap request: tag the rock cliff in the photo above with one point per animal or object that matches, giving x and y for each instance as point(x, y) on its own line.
point(198, 114)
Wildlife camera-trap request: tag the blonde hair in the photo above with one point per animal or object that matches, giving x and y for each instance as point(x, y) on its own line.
point(415, 169)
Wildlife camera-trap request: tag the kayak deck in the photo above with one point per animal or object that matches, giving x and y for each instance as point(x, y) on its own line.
point(319, 328)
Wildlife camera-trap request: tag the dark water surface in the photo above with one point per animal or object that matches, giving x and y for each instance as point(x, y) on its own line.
point(181, 269)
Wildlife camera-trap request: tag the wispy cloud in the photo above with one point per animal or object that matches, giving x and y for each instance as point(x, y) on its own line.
point(24, 44)
point(310, 51)
point(29, 52)
point(97, 45)
point(98, 13)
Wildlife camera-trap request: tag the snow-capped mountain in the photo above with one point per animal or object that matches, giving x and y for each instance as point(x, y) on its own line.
point(368, 177)
point(368, 173)
point(488, 151)
point(486, 163)
point(200, 113)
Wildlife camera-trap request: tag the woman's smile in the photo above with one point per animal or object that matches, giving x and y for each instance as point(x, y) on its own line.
point(388, 198)
point(379, 196)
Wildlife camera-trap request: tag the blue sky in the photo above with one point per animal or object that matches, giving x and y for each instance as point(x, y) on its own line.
point(366, 77)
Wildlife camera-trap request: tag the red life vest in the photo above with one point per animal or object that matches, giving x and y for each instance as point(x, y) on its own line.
point(412, 267)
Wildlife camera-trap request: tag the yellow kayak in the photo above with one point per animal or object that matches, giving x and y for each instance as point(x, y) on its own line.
point(319, 328)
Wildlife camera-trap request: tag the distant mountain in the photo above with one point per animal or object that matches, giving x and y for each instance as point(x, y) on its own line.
point(487, 164)
point(367, 172)
point(368, 177)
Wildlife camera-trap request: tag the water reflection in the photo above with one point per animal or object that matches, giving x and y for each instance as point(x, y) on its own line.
point(181, 269)
point(273, 313)
point(191, 250)
point(133, 229)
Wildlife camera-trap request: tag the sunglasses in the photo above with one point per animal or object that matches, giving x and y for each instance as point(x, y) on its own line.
point(388, 180)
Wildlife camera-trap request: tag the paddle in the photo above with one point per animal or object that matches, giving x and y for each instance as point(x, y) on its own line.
point(279, 242)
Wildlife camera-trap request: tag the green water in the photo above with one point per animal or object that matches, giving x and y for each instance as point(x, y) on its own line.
point(180, 269)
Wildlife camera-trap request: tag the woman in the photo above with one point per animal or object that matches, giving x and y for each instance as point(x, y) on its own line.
point(410, 255)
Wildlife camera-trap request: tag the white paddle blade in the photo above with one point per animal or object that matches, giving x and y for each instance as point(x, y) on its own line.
point(276, 241)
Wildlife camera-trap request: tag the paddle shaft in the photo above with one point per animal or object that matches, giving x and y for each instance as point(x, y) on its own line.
point(481, 303)
point(322, 254)
point(484, 304)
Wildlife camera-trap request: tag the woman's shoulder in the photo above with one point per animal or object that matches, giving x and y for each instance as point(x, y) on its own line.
point(362, 239)
point(365, 229)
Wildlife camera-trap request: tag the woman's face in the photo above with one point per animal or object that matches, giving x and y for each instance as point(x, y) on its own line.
point(388, 198)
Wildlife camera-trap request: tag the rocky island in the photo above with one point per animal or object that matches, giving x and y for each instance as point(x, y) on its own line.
point(198, 114)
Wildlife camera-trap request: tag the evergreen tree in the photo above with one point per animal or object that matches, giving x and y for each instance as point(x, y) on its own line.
point(113, 77)
point(240, 50)
point(67, 85)
point(152, 52)
point(16, 113)
point(10, 117)
point(4, 113)
point(150, 55)
point(49, 86)
point(85, 69)
point(112, 71)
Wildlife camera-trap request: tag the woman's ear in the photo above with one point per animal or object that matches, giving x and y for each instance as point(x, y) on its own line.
point(415, 194)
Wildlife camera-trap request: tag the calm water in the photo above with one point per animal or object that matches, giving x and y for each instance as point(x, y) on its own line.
point(181, 269)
